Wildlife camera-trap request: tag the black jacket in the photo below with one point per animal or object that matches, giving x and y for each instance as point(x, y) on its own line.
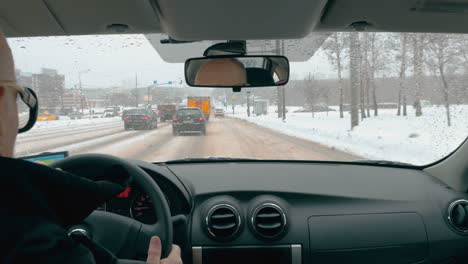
point(37, 206)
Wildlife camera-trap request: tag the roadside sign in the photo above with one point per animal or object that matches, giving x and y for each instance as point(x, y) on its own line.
point(169, 82)
point(155, 82)
point(248, 92)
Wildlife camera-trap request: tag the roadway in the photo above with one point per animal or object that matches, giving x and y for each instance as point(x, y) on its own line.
point(226, 137)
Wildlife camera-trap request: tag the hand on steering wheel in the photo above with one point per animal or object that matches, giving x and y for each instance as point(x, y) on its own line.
point(154, 253)
point(125, 237)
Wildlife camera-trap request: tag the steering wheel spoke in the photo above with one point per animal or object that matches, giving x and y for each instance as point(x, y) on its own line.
point(112, 231)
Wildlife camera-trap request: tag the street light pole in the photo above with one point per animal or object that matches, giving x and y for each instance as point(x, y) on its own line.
point(248, 105)
point(148, 95)
point(81, 88)
point(136, 90)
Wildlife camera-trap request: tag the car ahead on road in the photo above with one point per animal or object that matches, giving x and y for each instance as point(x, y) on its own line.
point(47, 116)
point(112, 111)
point(219, 112)
point(96, 114)
point(189, 119)
point(109, 113)
point(75, 115)
point(140, 118)
point(166, 112)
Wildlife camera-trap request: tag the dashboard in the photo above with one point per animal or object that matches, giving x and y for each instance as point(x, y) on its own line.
point(134, 203)
point(290, 212)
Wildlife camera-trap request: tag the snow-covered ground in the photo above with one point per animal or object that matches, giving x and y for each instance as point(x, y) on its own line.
point(410, 139)
point(65, 122)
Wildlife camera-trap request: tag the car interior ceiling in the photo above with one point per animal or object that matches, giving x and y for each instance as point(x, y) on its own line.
point(313, 212)
point(59, 18)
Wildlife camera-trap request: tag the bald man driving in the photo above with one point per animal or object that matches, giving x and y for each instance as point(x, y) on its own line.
point(221, 72)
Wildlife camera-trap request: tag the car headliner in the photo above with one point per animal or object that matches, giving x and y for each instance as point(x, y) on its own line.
point(222, 19)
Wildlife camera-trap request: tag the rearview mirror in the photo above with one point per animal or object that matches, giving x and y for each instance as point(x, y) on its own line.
point(237, 71)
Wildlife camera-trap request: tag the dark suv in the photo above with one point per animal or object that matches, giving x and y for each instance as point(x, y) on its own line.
point(188, 119)
point(140, 118)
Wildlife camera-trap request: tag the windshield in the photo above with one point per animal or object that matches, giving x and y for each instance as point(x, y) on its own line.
point(399, 97)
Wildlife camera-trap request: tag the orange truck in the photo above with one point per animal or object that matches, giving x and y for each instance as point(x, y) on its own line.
point(202, 102)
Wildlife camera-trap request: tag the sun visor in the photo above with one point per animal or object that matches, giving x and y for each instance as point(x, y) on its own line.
point(240, 19)
point(36, 20)
point(58, 17)
point(105, 16)
point(294, 49)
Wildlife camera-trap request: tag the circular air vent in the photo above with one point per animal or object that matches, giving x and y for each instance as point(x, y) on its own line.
point(458, 215)
point(223, 221)
point(269, 220)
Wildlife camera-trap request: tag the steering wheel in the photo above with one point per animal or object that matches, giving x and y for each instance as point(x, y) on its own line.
point(125, 237)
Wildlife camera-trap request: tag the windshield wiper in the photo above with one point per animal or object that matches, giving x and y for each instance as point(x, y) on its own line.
point(385, 162)
point(209, 159)
point(227, 159)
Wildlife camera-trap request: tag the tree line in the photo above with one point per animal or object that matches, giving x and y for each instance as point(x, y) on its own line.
point(363, 58)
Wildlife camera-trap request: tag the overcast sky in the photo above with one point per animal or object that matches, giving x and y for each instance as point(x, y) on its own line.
point(113, 60)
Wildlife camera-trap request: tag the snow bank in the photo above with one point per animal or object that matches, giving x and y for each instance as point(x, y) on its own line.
point(410, 139)
point(67, 122)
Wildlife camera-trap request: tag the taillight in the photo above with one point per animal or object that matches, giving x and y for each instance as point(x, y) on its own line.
point(126, 118)
point(175, 119)
point(145, 118)
point(201, 119)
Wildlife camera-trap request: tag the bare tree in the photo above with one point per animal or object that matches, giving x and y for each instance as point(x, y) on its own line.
point(354, 76)
point(335, 48)
point(418, 53)
point(443, 54)
point(364, 73)
point(372, 71)
point(376, 61)
point(311, 92)
point(463, 79)
point(402, 74)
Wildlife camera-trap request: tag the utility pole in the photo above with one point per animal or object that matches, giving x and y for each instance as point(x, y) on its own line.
point(248, 104)
point(278, 89)
point(80, 91)
point(148, 92)
point(81, 88)
point(136, 90)
point(283, 88)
